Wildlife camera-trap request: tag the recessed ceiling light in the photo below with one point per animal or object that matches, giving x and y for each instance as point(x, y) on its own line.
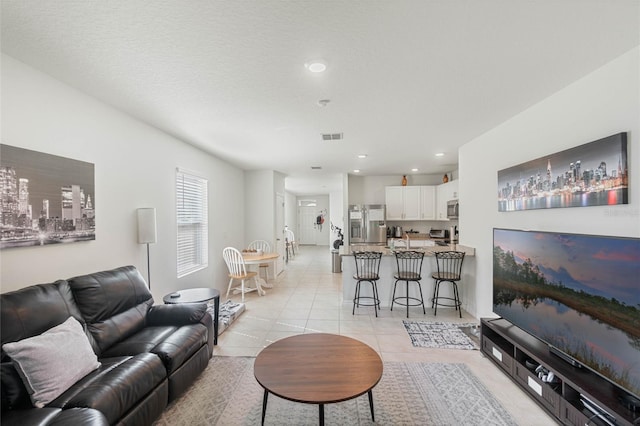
point(440, 154)
point(356, 171)
point(414, 170)
point(316, 66)
point(362, 155)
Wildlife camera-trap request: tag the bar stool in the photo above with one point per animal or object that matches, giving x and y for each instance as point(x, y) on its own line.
point(449, 265)
point(409, 270)
point(367, 269)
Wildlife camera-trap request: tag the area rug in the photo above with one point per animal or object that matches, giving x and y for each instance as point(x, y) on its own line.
point(443, 335)
point(437, 394)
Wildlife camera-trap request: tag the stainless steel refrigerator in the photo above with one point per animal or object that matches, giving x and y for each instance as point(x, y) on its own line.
point(367, 224)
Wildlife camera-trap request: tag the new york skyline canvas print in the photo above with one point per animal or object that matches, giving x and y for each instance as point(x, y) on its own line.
point(593, 174)
point(44, 198)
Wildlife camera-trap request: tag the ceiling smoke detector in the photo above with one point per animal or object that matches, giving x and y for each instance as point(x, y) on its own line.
point(323, 102)
point(332, 136)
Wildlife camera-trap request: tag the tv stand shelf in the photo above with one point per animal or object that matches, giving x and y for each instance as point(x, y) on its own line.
point(518, 353)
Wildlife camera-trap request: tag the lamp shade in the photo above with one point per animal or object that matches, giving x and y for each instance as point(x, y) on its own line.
point(147, 232)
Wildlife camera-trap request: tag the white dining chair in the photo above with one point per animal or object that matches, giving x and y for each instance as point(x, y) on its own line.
point(291, 241)
point(238, 271)
point(266, 248)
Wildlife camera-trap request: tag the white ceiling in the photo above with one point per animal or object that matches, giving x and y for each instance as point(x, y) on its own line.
point(406, 79)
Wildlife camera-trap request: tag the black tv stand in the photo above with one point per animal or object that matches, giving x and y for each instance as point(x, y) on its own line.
point(575, 392)
point(557, 352)
point(631, 402)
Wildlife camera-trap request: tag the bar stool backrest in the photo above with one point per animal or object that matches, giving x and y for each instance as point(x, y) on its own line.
point(409, 265)
point(367, 265)
point(449, 265)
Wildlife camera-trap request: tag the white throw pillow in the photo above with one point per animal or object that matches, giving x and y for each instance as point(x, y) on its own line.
point(52, 362)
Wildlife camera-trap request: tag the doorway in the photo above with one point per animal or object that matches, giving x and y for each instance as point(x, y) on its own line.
point(279, 233)
point(307, 221)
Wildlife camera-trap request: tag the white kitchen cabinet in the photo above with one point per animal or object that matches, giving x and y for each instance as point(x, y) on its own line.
point(445, 192)
point(404, 202)
point(394, 198)
point(411, 202)
point(427, 202)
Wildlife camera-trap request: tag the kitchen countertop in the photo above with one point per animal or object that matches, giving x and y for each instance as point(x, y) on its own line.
point(386, 251)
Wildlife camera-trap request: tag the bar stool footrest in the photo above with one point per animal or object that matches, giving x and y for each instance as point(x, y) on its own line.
point(399, 301)
point(375, 301)
point(456, 303)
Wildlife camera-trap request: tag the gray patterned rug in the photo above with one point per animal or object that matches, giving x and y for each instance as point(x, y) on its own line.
point(444, 335)
point(226, 393)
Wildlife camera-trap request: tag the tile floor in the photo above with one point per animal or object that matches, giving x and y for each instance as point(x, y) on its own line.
point(307, 298)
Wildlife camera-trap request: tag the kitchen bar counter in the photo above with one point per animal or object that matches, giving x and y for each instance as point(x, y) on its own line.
point(388, 267)
point(428, 250)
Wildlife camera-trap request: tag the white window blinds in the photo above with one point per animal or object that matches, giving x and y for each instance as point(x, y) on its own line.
point(192, 220)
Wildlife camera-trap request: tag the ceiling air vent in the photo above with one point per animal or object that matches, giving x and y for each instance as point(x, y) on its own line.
point(316, 167)
point(332, 136)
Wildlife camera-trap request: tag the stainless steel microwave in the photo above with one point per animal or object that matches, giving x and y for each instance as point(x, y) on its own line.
point(452, 209)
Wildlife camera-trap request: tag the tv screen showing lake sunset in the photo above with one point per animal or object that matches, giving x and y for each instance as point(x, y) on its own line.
point(578, 293)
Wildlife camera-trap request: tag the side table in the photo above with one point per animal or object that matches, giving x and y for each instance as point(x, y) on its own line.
point(198, 295)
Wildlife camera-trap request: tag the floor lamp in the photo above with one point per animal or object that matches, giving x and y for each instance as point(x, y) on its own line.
point(147, 232)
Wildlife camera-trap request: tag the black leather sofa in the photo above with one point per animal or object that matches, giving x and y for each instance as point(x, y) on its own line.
point(149, 354)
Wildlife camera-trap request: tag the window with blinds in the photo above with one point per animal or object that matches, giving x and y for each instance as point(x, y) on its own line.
point(192, 220)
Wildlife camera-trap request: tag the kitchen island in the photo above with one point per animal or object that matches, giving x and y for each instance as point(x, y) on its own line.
point(388, 267)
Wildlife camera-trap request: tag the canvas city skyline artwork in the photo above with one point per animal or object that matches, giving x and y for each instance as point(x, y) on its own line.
point(44, 198)
point(593, 174)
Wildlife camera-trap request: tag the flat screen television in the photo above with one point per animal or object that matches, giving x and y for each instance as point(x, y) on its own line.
point(578, 293)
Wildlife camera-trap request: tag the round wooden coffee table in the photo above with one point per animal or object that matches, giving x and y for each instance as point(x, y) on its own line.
point(318, 368)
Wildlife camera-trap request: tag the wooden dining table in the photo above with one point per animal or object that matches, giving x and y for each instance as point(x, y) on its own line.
point(253, 258)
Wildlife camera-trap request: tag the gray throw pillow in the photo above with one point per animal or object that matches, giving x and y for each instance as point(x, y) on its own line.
point(52, 362)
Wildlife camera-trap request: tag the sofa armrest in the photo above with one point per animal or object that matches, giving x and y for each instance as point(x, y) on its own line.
point(178, 314)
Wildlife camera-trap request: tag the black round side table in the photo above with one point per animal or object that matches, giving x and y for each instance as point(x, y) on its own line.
point(198, 295)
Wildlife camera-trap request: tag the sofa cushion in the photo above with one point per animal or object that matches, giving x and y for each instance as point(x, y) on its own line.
point(53, 361)
point(33, 310)
point(116, 387)
point(174, 345)
point(113, 303)
point(143, 341)
point(25, 313)
point(14, 393)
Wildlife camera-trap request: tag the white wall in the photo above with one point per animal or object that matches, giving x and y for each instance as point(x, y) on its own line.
point(260, 207)
point(602, 103)
point(291, 212)
point(134, 167)
point(337, 215)
point(278, 187)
